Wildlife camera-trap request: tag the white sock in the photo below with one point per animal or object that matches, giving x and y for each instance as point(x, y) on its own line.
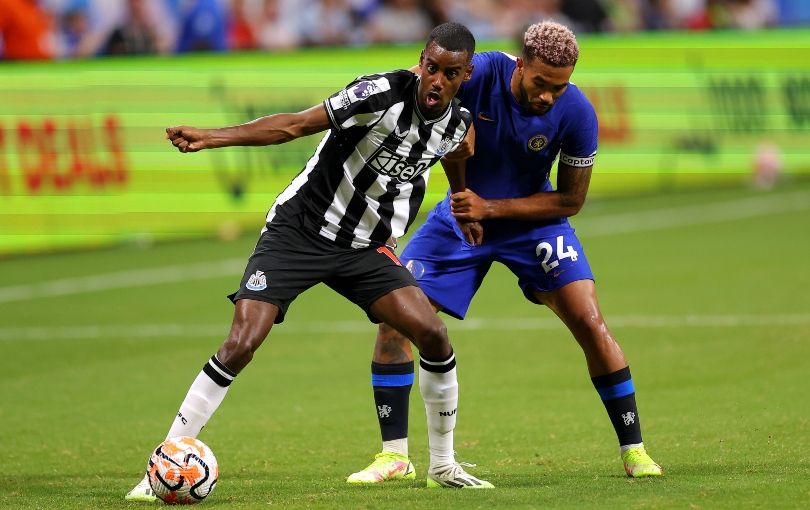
point(623, 448)
point(399, 446)
point(203, 398)
point(439, 387)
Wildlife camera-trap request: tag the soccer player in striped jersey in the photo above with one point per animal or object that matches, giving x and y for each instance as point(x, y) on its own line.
point(526, 113)
point(362, 187)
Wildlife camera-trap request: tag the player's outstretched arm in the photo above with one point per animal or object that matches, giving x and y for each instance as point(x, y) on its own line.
point(565, 201)
point(268, 130)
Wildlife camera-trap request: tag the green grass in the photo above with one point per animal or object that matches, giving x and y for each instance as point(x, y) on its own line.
point(714, 317)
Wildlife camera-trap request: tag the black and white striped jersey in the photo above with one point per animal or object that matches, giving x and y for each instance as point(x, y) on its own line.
point(368, 175)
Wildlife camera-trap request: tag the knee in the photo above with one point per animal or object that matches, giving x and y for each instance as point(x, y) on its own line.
point(432, 340)
point(436, 331)
point(590, 327)
point(237, 350)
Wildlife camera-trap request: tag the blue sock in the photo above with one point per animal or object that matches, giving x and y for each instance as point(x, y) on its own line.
point(392, 389)
point(619, 397)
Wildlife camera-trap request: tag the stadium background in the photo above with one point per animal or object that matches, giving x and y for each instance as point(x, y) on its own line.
point(83, 160)
point(696, 226)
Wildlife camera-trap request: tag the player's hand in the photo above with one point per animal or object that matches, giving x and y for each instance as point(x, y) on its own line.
point(187, 138)
point(473, 232)
point(464, 150)
point(468, 206)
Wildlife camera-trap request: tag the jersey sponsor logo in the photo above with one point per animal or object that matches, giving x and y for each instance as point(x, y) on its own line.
point(395, 166)
point(577, 161)
point(537, 142)
point(257, 281)
point(482, 116)
point(444, 146)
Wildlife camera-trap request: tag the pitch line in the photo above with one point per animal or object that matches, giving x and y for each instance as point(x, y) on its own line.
point(124, 280)
point(366, 329)
point(620, 223)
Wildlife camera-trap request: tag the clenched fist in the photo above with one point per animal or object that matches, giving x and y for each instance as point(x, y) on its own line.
point(187, 138)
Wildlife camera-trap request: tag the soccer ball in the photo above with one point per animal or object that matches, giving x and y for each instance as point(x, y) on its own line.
point(182, 470)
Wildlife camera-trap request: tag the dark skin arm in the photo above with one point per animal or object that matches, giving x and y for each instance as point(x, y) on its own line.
point(455, 170)
point(455, 167)
point(565, 201)
point(268, 130)
point(454, 163)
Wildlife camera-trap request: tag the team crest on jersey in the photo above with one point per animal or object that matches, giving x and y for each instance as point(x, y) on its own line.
point(538, 142)
point(444, 146)
point(257, 281)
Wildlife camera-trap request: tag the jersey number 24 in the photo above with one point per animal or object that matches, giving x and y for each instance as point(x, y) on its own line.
point(546, 252)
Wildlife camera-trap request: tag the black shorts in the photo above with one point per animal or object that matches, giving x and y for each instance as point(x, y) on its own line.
point(289, 260)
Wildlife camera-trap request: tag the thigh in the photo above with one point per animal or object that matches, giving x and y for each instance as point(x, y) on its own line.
point(408, 311)
point(545, 260)
point(448, 269)
point(364, 275)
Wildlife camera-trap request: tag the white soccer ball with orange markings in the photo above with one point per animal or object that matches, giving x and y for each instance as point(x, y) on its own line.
point(182, 471)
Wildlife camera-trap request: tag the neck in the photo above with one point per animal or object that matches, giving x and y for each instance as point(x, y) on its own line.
point(514, 84)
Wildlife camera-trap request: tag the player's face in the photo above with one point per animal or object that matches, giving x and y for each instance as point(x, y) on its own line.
point(539, 85)
point(441, 72)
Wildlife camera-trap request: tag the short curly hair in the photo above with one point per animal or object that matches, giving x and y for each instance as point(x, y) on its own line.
point(552, 43)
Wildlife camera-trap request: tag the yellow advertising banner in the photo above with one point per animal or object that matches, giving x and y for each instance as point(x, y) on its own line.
point(84, 160)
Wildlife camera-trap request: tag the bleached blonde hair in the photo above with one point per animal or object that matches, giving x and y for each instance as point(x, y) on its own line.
point(552, 43)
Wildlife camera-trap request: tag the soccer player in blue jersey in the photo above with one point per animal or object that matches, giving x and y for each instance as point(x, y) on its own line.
point(526, 113)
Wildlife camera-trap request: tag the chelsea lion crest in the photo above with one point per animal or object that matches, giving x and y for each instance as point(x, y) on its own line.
point(538, 142)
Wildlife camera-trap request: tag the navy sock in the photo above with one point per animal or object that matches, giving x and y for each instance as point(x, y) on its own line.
point(392, 388)
point(619, 397)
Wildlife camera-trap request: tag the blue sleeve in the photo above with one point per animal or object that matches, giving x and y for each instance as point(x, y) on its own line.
point(580, 140)
point(483, 64)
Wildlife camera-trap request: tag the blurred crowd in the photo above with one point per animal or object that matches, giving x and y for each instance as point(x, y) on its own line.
point(47, 29)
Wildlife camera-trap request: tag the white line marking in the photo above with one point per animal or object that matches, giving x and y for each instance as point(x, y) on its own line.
point(177, 330)
point(124, 279)
point(622, 223)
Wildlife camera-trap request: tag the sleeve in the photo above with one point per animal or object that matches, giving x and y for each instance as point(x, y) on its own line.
point(580, 141)
point(363, 102)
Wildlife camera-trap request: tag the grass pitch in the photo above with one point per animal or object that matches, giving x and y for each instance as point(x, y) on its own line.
point(705, 291)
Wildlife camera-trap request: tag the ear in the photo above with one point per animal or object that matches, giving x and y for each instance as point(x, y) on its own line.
point(422, 58)
point(469, 72)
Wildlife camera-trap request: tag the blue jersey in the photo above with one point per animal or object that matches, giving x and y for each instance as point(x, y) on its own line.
point(514, 154)
point(515, 149)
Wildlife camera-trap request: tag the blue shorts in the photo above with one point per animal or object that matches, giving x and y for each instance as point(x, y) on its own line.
point(450, 271)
